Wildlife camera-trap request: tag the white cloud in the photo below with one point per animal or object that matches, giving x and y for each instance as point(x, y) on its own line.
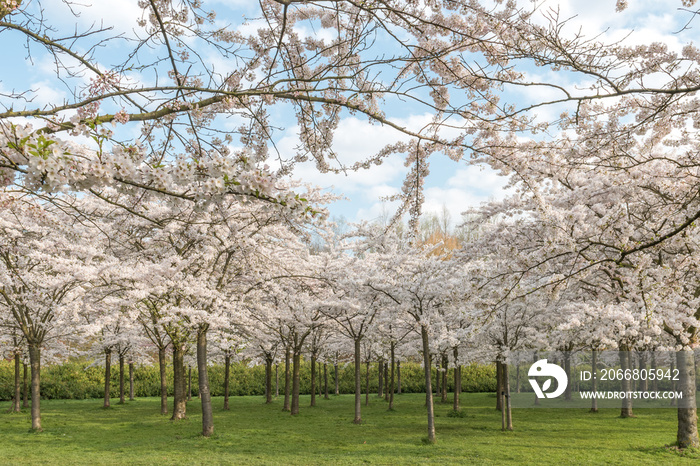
point(121, 15)
point(44, 95)
point(468, 187)
point(643, 22)
point(356, 140)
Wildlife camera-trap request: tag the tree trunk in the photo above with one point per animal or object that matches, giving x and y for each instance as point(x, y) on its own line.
point(534, 360)
point(437, 377)
point(457, 381)
point(367, 384)
point(131, 381)
point(35, 363)
point(325, 381)
point(296, 363)
point(654, 383)
point(380, 387)
point(163, 382)
point(626, 410)
point(428, 384)
point(567, 369)
point(443, 398)
point(673, 382)
point(287, 356)
point(398, 377)
point(268, 380)
point(189, 383)
point(392, 348)
point(122, 391)
point(203, 379)
point(688, 414)
point(337, 383)
point(594, 388)
point(277, 380)
point(227, 377)
point(517, 378)
point(386, 380)
point(18, 394)
point(268, 388)
point(506, 389)
point(358, 383)
point(499, 386)
point(643, 383)
point(25, 392)
point(179, 383)
point(108, 375)
point(313, 379)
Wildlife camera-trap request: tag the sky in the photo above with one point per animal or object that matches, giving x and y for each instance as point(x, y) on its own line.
point(451, 185)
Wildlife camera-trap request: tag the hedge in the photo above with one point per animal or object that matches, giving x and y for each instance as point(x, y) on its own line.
point(79, 380)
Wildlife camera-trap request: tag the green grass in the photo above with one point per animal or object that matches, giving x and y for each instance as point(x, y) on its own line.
point(81, 432)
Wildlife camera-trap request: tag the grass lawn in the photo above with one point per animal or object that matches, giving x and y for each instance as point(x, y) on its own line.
point(81, 432)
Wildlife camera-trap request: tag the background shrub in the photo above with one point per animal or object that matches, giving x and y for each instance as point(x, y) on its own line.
point(77, 379)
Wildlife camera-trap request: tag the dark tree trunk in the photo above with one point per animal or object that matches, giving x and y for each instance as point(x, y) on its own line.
point(337, 383)
point(227, 378)
point(443, 398)
point(517, 378)
point(189, 383)
point(688, 413)
point(318, 371)
point(367, 384)
point(594, 388)
point(203, 379)
point(643, 383)
point(108, 375)
point(673, 382)
point(18, 394)
point(122, 391)
point(325, 381)
point(654, 383)
point(287, 356)
point(534, 360)
point(631, 360)
point(457, 381)
point(398, 377)
point(626, 410)
point(386, 380)
point(268, 388)
point(437, 377)
point(277, 380)
point(567, 369)
point(179, 383)
point(131, 381)
point(268, 380)
point(25, 392)
point(163, 382)
point(380, 387)
point(506, 389)
point(392, 348)
point(35, 363)
point(313, 379)
point(358, 383)
point(428, 385)
point(499, 386)
point(296, 362)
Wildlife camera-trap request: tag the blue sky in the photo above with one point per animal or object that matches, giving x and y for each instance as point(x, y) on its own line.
point(457, 186)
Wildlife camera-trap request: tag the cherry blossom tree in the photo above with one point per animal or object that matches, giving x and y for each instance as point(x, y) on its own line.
point(46, 264)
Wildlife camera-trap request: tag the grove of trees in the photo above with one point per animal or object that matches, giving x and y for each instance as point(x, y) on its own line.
point(153, 213)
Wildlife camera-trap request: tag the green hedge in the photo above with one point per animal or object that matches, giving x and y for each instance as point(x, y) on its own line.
point(76, 380)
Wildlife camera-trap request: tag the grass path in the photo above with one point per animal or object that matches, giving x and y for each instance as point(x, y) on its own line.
point(81, 432)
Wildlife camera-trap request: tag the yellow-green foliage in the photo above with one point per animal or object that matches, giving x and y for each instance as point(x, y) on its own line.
point(78, 380)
